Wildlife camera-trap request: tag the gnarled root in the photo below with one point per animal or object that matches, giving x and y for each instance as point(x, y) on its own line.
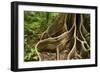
point(66, 39)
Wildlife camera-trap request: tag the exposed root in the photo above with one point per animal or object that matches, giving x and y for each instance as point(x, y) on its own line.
point(66, 38)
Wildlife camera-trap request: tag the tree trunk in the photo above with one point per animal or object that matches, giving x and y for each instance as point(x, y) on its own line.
point(67, 38)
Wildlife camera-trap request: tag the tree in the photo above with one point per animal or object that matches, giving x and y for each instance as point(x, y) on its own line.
point(60, 36)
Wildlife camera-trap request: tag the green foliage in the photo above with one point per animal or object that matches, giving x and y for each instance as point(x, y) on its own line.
point(35, 23)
